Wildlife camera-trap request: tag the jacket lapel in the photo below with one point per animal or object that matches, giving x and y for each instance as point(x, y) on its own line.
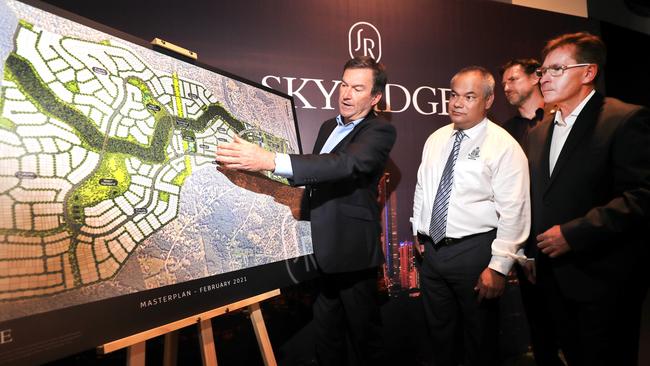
point(362, 125)
point(323, 134)
point(546, 151)
point(585, 122)
point(351, 135)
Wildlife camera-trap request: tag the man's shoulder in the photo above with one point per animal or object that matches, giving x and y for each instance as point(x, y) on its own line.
point(511, 123)
point(376, 118)
point(500, 135)
point(613, 107)
point(495, 129)
point(442, 132)
point(543, 125)
point(376, 121)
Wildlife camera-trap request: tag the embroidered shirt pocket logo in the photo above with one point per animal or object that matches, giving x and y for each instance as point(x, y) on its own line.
point(474, 154)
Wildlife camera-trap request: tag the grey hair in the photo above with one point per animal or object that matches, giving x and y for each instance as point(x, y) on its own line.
point(488, 78)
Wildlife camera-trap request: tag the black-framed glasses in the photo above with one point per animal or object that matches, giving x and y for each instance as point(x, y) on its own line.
point(557, 70)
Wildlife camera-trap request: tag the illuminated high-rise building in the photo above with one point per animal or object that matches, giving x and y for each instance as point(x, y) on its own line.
point(405, 264)
point(408, 273)
point(400, 272)
point(390, 243)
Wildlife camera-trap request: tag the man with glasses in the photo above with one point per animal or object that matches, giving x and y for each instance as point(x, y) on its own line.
point(590, 193)
point(471, 213)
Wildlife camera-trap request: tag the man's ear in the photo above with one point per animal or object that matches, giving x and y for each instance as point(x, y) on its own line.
point(590, 74)
point(376, 98)
point(489, 101)
point(535, 79)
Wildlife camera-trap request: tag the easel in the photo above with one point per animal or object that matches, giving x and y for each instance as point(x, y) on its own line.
point(135, 344)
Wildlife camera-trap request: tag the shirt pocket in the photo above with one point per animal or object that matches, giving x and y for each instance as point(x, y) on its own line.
point(471, 176)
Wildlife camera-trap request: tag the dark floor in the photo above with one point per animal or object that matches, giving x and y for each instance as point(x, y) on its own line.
point(288, 321)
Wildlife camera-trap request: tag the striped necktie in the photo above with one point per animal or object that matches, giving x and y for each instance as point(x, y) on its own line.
point(438, 225)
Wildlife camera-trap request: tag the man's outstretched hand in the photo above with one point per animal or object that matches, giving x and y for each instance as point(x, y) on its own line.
point(242, 155)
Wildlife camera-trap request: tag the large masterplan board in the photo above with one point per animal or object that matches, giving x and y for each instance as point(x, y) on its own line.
point(108, 184)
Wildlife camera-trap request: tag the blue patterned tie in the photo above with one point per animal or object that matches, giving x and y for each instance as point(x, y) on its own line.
point(438, 223)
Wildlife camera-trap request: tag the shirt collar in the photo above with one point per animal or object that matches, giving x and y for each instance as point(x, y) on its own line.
point(339, 121)
point(474, 131)
point(571, 118)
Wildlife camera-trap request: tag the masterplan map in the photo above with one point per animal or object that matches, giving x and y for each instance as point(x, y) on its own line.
point(107, 178)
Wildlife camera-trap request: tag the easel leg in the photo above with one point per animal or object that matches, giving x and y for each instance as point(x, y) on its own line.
point(170, 352)
point(208, 352)
point(262, 335)
point(135, 354)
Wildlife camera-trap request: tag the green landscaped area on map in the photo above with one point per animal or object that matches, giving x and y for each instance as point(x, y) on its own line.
point(7, 124)
point(184, 174)
point(147, 97)
point(163, 196)
point(177, 95)
point(72, 86)
point(91, 192)
point(26, 24)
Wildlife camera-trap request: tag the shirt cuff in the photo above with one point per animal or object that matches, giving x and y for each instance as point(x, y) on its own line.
point(283, 166)
point(521, 256)
point(413, 226)
point(501, 264)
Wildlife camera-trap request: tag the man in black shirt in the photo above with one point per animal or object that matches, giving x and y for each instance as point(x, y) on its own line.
point(521, 87)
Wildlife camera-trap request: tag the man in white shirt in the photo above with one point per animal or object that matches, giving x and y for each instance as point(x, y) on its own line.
point(590, 195)
point(471, 215)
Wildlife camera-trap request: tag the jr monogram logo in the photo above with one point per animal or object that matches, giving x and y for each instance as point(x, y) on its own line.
point(364, 40)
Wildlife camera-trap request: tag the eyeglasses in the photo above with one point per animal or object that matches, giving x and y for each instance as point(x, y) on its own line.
point(557, 70)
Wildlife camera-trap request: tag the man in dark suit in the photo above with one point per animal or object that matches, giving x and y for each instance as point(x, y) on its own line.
point(590, 191)
point(341, 176)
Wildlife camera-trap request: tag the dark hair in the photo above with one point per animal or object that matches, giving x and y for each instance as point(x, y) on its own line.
point(488, 78)
point(588, 48)
point(378, 70)
point(529, 65)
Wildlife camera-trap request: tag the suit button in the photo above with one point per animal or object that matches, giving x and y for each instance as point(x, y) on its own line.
point(547, 202)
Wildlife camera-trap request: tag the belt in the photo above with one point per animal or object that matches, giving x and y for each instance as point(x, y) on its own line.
point(450, 241)
point(445, 242)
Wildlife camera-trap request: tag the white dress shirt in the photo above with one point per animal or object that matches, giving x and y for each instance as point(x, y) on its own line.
point(490, 189)
point(561, 129)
